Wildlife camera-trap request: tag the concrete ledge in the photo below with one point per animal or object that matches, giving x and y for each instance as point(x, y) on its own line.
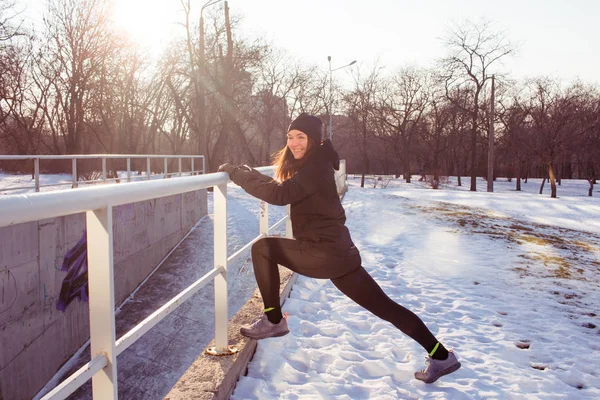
point(215, 377)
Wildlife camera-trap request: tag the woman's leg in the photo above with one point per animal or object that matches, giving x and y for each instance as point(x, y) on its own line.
point(298, 256)
point(362, 288)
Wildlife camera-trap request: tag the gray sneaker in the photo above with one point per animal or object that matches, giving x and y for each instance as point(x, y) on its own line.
point(438, 368)
point(262, 328)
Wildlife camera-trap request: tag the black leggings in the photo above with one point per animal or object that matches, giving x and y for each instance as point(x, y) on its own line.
point(346, 273)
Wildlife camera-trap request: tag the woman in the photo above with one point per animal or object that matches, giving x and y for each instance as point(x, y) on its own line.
point(323, 247)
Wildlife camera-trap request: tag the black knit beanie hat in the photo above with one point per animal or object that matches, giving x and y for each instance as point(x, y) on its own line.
point(310, 125)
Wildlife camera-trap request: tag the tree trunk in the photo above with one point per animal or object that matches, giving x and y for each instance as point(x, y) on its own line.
point(552, 181)
point(244, 143)
point(591, 182)
point(542, 186)
point(474, 145)
point(406, 163)
point(458, 172)
point(473, 157)
point(436, 172)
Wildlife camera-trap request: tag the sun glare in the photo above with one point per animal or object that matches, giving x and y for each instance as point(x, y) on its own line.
point(149, 23)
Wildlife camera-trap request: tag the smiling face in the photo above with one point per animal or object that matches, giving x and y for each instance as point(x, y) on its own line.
point(297, 142)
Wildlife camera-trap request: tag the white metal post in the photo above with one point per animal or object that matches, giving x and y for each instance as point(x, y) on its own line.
point(102, 299)
point(340, 180)
point(104, 169)
point(220, 250)
point(263, 218)
point(165, 168)
point(203, 165)
point(288, 223)
point(179, 166)
point(344, 174)
point(148, 167)
point(192, 167)
point(128, 169)
point(74, 171)
point(36, 173)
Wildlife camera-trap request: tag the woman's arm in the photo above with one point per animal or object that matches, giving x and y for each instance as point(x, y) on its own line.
point(301, 185)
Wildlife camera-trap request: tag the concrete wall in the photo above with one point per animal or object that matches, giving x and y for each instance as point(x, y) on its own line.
point(35, 337)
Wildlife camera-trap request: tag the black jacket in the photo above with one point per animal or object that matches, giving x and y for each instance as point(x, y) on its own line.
point(316, 210)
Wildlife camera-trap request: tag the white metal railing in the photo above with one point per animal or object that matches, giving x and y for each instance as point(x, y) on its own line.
point(97, 202)
point(104, 173)
point(340, 178)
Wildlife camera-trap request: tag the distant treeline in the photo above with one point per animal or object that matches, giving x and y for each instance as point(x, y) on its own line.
point(79, 86)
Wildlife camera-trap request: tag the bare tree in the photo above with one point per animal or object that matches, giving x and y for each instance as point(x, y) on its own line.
point(552, 116)
point(515, 141)
point(276, 78)
point(473, 50)
point(402, 103)
point(10, 27)
point(587, 127)
point(360, 105)
point(13, 58)
point(436, 130)
point(459, 126)
point(69, 65)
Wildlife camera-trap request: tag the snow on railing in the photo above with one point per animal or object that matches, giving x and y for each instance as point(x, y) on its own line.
point(97, 202)
point(104, 174)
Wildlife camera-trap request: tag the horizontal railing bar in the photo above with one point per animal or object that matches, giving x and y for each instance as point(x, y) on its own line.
point(276, 224)
point(84, 182)
point(240, 251)
point(188, 173)
point(16, 188)
point(58, 184)
point(77, 379)
point(149, 322)
point(20, 208)
point(100, 180)
point(27, 207)
point(256, 239)
point(84, 156)
point(265, 170)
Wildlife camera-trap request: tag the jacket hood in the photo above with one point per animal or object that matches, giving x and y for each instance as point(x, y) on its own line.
point(327, 151)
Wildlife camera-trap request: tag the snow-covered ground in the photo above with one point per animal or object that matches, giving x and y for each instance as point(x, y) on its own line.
point(509, 280)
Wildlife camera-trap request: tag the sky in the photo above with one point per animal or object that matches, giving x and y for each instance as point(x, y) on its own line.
point(508, 280)
point(553, 38)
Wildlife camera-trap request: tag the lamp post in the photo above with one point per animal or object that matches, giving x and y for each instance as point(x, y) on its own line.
point(208, 3)
point(201, 147)
point(331, 93)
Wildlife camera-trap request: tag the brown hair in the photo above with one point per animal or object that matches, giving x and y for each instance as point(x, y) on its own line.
point(286, 165)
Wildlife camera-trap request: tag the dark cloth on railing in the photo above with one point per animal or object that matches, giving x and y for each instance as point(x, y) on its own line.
point(316, 210)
